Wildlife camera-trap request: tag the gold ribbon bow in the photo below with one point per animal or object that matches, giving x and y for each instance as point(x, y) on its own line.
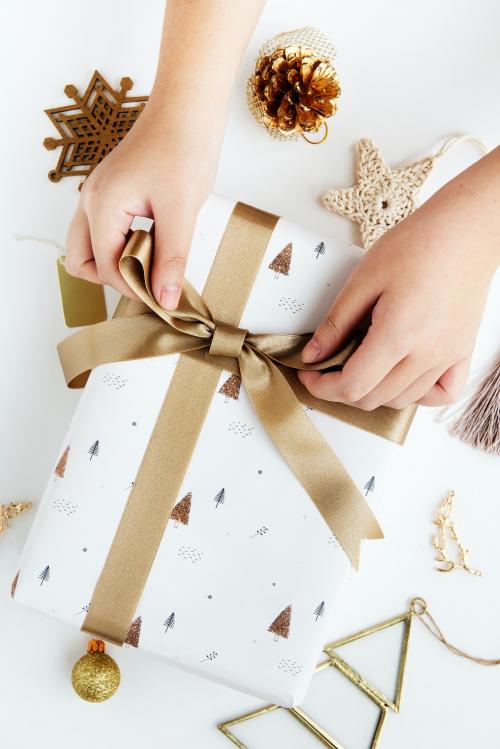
point(266, 363)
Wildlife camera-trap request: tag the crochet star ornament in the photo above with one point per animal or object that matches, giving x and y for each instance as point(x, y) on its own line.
point(383, 196)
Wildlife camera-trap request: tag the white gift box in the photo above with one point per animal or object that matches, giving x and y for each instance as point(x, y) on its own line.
point(248, 573)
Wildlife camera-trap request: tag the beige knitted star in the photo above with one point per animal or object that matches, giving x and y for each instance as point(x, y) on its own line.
point(382, 196)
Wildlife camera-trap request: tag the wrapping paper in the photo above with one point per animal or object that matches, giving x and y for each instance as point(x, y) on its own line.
point(248, 574)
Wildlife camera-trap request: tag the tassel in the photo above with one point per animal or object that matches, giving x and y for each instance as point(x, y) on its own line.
point(479, 424)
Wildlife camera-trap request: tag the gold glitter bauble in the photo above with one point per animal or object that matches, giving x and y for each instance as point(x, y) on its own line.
point(96, 676)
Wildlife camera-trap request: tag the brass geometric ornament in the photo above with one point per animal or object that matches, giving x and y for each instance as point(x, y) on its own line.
point(91, 127)
point(382, 701)
point(360, 681)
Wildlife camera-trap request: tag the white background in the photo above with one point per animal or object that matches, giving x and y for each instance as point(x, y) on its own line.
point(412, 73)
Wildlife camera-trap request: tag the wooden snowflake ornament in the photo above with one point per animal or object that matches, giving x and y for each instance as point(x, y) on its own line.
point(92, 126)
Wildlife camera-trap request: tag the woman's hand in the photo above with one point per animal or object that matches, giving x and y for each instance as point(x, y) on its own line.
point(165, 166)
point(153, 172)
point(425, 284)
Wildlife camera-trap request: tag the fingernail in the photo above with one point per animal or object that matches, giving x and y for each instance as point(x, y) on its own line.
point(169, 296)
point(300, 375)
point(311, 352)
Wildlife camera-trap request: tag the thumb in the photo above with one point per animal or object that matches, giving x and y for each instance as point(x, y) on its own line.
point(173, 232)
point(353, 303)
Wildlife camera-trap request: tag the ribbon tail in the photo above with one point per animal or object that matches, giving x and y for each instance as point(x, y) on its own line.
point(308, 455)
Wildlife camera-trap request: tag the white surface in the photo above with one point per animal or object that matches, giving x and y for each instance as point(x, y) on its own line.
point(411, 74)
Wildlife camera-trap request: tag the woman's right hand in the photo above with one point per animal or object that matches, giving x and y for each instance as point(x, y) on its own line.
point(165, 166)
point(152, 173)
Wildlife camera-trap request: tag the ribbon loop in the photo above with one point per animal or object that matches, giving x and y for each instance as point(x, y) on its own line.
point(227, 341)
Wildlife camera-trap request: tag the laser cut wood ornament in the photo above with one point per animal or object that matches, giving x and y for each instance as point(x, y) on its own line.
point(91, 127)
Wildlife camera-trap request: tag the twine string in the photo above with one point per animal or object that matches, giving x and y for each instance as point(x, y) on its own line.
point(40, 240)
point(455, 139)
point(419, 608)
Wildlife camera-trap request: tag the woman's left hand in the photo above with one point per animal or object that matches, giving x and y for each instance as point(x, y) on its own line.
point(425, 284)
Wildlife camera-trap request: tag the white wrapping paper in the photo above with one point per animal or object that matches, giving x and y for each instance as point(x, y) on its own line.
point(247, 547)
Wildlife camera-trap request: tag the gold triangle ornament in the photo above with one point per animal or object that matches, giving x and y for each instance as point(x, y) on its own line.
point(83, 302)
point(384, 703)
point(303, 718)
point(358, 679)
point(418, 608)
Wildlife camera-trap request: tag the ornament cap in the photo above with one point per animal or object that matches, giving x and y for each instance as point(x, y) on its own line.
point(96, 646)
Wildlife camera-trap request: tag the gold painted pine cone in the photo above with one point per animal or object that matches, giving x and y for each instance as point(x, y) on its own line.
point(296, 89)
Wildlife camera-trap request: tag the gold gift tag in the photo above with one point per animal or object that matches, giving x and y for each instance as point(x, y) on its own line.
point(82, 301)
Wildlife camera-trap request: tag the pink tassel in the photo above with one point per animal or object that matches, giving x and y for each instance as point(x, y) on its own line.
point(479, 424)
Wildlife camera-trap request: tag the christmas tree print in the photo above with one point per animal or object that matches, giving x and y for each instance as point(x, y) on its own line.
point(231, 388)
point(14, 585)
point(44, 575)
point(260, 531)
point(369, 486)
point(281, 625)
point(319, 610)
point(220, 498)
point(93, 450)
point(84, 609)
point(281, 263)
point(134, 633)
point(181, 511)
point(61, 463)
point(210, 656)
point(169, 622)
point(319, 249)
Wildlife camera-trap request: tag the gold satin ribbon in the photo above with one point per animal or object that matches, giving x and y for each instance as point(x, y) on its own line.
point(204, 329)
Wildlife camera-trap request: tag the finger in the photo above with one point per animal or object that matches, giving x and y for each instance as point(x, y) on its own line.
point(349, 309)
point(377, 355)
point(173, 231)
point(398, 380)
point(449, 386)
point(108, 232)
point(323, 386)
point(417, 389)
point(79, 260)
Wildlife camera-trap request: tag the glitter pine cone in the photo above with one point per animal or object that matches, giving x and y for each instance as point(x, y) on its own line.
point(296, 90)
